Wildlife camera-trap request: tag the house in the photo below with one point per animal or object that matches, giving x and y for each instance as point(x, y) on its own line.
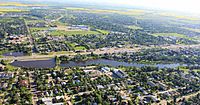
point(24, 83)
point(120, 73)
point(100, 87)
point(47, 101)
point(105, 69)
point(6, 75)
point(149, 98)
point(112, 98)
point(3, 85)
point(142, 90)
point(162, 86)
point(2, 67)
point(152, 84)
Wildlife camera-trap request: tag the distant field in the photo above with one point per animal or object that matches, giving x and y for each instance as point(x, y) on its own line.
point(80, 48)
point(17, 4)
point(134, 27)
point(36, 29)
point(77, 47)
point(74, 8)
point(34, 21)
point(12, 4)
point(3, 10)
point(125, 12)
point(61, 32)
point(187, 70)
point(171, 34)
point(191, 29)
point(63, 27)
point(128, 12)
point(179, 16)
point(103, 31)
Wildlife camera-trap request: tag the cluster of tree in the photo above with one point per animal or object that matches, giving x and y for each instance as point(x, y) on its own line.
point(193, 100)
point(13, 26)
point(186, 56)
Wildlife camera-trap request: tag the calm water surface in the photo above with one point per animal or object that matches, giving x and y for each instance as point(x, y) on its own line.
point(51, 63)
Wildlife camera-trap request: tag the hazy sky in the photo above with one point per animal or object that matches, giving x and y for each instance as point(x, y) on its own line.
point(178, 5)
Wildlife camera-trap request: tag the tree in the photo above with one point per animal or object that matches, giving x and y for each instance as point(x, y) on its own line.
point(130, 102)
point(99, 99)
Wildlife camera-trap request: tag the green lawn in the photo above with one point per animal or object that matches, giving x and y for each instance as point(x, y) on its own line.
point(61, 32)
point(134, 27)
point(186, 70)
point(196, 70)
point(2, 10)
point(10, 67)
point(191, 29)
point(171, 34)
point(77, 47)
point(103, 31)
point(80, 48)
point(36, 29)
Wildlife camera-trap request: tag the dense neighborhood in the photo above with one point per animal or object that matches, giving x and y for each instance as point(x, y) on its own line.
point(63, 55)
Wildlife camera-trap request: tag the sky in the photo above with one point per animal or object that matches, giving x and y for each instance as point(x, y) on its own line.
point(192, 6)
point(177, 5)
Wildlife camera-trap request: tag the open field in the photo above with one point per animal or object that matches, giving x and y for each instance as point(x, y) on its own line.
point(65, 28)
point(76, 8)
point(179, 16)
point(36, 29)
point(134, 12)
point(171, 35)
point(134, 27)
point(17, 4)
point(2, 10)
point(71, 32)
point(102, 31)
point(192, 29)
point(80, 48)
point(77, 47)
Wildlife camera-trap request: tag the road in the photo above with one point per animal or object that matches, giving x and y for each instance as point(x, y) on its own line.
point(98, 51)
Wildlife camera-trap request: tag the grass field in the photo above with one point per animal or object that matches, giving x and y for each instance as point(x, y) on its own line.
point(18, 4)
point(61, 32)
point(179, 16)
point(34, 21)
point(171, 34)
point(134, 12)
point(102, 31)
point(191, 29)
point(36, 29)
point(187, 70)
point(3, 10)
point(76, 9)
point(77, 47)
point(80, 48)
point(12, 4)
point(134, 27)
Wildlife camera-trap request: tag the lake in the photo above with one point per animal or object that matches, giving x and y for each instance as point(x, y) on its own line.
point(35, 64)
point(51, 63)
point(15, 54)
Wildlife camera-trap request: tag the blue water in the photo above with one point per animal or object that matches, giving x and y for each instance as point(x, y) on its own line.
point(51, 63)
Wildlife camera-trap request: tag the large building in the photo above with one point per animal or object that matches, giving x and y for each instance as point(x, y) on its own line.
point(120, 73)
